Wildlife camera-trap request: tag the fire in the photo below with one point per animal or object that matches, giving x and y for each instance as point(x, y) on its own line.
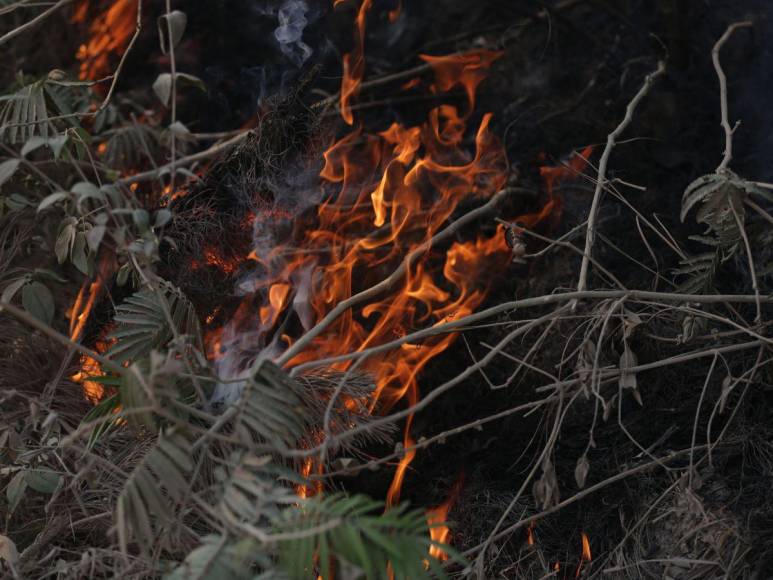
point(90, 291)
point(109, 35)
point(386, 194)
point(393, 495)
point(437, 517)
point(586, 553)
point(354, 63)
point(90, 368)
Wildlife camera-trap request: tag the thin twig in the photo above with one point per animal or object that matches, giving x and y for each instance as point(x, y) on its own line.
point(27, 25)
point(644, 467)
point(535, 302)
point(393, 278)
point(602, 172)
point(728, 154)
point(27, 318)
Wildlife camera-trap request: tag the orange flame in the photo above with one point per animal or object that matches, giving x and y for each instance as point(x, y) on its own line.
point(530, 533)
point(90, 368)
point(109, 35)
point(354, 63)
point(90, 291)
point(386, 194)
point(437, 517)
point(586, 554)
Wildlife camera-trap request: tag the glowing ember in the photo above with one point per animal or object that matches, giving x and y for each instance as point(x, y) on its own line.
point(109, 35)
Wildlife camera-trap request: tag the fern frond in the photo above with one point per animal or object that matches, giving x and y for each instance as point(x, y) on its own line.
point(271, 407)
point(340, 531)
point(700, 270)
point(720, 202)
point(127, 146)
point(143, 325)
point(143, 511)
point(25, 115)
point(218, 557)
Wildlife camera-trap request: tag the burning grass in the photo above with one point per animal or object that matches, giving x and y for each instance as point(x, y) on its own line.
point(373, 293)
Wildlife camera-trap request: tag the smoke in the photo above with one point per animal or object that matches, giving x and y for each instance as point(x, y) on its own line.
point(295, 191)
point(289, 33)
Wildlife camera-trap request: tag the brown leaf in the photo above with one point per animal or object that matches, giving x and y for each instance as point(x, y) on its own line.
point(581, 471)
point(8, 551)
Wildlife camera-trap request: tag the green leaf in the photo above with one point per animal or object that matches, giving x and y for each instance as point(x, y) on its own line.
point(51, 199)
point(15, 490)
point(142, 324)
point(16, 201)
point(12, 288)
point(7, 169)
point(49, 274)
point(141, 218)
point(142, 512)
point(79, 256)
point(162, 218)
point(43, 480)
point(38, 301)
point(94, 237)
point(32, 144)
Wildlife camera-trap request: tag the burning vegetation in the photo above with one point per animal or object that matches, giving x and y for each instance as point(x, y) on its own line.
point(379, 289)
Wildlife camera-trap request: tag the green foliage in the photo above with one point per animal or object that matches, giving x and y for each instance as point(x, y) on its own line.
point(270, 406)
point(341, 532)
point(218, 558)
point(149, 319)
point(143, 510)
point(24, 114)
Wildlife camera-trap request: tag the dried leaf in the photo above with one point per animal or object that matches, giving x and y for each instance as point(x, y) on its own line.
point(581, 471)
point(8, 551)
point(630, 321)
point(627, 379)
point(727, 388)
point(174, 20)
point(162, 86)
point(65, 241)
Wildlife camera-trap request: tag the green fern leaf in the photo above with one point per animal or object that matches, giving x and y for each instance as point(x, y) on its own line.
point(143, 323)
point(143, 511)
